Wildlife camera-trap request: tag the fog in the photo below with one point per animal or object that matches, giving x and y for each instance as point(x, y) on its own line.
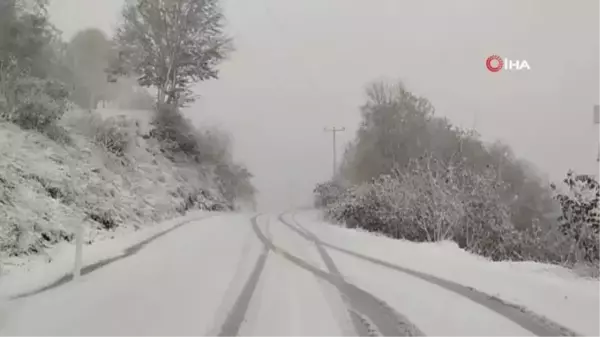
point(300, 66)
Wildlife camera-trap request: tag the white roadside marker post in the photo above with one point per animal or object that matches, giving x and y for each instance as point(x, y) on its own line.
point(78, 250)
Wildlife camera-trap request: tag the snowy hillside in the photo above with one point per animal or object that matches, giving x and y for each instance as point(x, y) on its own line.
point(47, 188)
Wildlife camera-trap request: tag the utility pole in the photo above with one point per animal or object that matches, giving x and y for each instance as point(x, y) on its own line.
point(333, 131)
point(597, 122)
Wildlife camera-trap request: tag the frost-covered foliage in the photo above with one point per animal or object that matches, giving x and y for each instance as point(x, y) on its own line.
point(191, 45)
point(113, 134)
point(415, 176)
point(60, 167)
point(46, 188)
point(30, 102)
point(580, 219)
point(430, 201)
point(398, 126)
point(434, 202)
point(30, 95)
point(27, 38)
point(210, 149)
point(177, 137)
point(327, 193)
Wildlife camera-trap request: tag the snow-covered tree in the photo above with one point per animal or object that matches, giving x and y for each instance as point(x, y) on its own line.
point(26, 36)
point(398, 126)
point(30, 95)
point(171, 44)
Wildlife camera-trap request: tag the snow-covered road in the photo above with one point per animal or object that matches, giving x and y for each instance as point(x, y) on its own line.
point(289, 274)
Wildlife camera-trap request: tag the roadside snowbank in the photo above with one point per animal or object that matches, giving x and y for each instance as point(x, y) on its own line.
point(35, 271)
point(548, 290)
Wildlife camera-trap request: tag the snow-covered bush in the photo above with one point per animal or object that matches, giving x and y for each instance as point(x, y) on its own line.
point(416, 176)
point(327, 193)
point(208, 150)
point(175, 134)
point(359, 207)
point(47, 187)
point(431, 201)
point(580, 219)
point(112, 134)
point(32, 103)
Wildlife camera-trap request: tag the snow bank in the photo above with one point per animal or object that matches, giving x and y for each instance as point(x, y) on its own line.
point(552, 291)
point(35, 272)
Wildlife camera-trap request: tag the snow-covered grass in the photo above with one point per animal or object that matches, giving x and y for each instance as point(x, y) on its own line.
point(34, 272)
point(552, 291)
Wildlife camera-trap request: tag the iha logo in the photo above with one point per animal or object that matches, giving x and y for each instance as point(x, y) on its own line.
point(495, 63)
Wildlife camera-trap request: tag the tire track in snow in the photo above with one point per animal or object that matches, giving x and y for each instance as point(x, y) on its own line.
point(535, 323)
point(350, 322)
point(243, 270)
point(236, 316)
point(368, 318)
point(387, 320)
point(361, 325)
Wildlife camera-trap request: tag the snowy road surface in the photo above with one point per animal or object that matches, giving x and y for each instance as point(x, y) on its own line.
point(292, 274)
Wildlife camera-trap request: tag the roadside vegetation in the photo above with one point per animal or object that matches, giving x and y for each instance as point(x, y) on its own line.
point(413, 175)
point(63, 162)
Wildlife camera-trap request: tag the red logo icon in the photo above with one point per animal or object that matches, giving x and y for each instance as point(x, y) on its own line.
point(494, 63)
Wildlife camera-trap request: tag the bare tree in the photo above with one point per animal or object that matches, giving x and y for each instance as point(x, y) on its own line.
point(171, 44)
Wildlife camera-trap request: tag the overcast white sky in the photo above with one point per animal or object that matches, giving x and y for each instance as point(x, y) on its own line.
point(301, 65)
